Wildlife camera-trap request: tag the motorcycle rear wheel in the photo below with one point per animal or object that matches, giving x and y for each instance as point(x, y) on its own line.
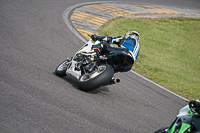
point(99, 78)
point(61, 69)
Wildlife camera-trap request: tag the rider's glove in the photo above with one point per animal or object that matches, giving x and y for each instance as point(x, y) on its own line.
point(118, 40)
point(94, 37)
point(107, 39)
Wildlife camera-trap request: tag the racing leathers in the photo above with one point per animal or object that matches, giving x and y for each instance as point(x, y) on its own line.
point(124, 55)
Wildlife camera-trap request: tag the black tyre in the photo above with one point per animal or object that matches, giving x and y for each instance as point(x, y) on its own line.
point(91, 82)
point(61, 69)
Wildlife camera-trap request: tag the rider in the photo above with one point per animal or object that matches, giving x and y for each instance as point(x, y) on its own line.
point(125, 54)
point(194, 105)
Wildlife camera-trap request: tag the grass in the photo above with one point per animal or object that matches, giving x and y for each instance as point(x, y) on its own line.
point(169, 51)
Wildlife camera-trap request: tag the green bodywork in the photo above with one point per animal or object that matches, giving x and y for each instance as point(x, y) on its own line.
point(184, 126)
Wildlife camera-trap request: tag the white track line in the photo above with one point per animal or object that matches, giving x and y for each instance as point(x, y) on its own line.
point(158, 85)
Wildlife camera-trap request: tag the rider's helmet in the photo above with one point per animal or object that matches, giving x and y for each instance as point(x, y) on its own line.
point(194, 105)
point(132, 35)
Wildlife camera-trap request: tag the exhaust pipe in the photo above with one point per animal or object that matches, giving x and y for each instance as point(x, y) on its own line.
point(113, 81)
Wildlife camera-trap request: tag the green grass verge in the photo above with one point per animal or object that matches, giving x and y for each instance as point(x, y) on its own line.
point(169, 51)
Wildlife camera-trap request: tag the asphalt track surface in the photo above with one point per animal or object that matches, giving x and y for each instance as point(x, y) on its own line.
point(34, 39)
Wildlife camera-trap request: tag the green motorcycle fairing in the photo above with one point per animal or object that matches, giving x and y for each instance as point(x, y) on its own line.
point(182, 122)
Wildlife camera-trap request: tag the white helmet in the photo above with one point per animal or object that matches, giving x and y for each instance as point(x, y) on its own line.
point(132, 35)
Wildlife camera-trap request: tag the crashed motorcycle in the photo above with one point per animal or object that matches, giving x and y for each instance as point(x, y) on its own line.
point(91, 75)
point(185, 122)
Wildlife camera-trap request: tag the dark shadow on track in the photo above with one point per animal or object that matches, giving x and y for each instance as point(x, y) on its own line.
point(101, 90)
point(73, 82)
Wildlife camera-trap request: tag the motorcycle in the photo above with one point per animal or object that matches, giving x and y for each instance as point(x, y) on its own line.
point(185, 122)
point(90, 75)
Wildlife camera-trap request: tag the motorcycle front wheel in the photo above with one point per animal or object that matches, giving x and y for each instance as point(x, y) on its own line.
point(89, 82)
point(61, 69)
